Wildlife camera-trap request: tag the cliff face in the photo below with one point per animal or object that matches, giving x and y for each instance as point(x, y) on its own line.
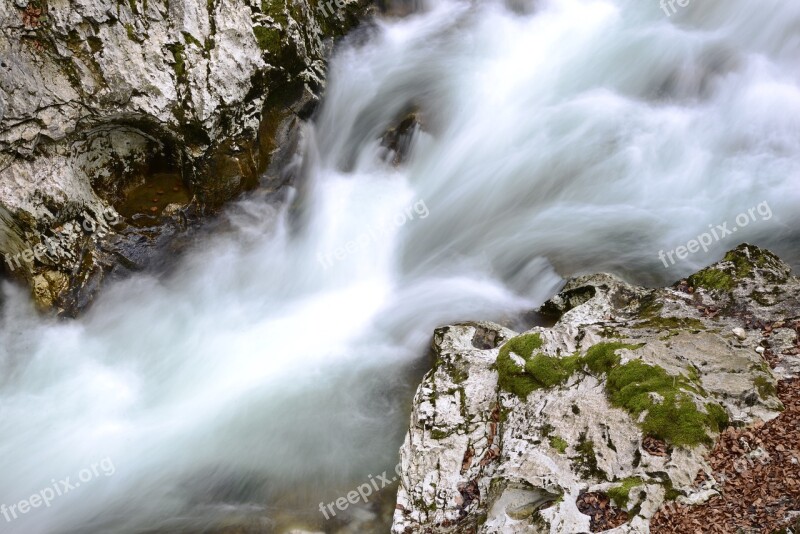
point(140, 112)
point(597, 422)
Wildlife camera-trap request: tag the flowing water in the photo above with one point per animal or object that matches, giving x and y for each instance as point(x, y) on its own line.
point(274, 367)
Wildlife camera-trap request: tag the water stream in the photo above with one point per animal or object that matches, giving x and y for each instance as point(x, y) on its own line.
point(273, 367)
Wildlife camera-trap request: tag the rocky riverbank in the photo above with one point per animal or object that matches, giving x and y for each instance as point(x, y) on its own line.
point(158, 111)
point(609, 416)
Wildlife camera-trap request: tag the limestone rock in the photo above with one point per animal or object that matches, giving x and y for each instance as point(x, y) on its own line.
point(98, 95)
point(621, 397)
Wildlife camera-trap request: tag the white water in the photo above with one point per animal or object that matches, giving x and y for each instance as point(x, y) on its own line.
point(563, 136)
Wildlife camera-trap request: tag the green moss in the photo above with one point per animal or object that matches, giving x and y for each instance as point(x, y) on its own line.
point(275, 9)
point(550, 371)
point(712, 279)
point(511, 377)
point(523, 345)
point(693, 374)
point(718, 416)
point(559, 444)
point(190, 39)
point(134, 7)
point(610, 332)
point(601, 358)
point(586, 460)
point(131, 32)
point(269, 39)
point(540, 371)
point(650, 307)
point(621, 494)
point(179, 55)
point(672, 323)
point(741, 264)
point(438, 434)
point(765, 299)
point(670, 493)
point(458, 374)
point(636, 386)
point(765, 388)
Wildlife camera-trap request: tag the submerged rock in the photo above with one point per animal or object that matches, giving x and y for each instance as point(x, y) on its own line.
point(102, 99)
point(596, 422)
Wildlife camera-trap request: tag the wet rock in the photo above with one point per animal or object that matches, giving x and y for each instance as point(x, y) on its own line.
point(98, 96)
point(397, 139)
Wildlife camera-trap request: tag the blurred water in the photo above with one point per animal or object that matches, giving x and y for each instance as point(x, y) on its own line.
point(559, 137)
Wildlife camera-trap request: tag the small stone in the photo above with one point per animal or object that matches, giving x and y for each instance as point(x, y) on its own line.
point(740, 333)
point(760, 350)
point(154, 209)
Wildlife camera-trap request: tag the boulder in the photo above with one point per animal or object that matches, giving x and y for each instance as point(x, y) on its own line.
point(595, 423)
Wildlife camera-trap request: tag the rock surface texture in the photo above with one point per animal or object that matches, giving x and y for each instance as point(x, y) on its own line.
point(596, 423)
point(107, 103)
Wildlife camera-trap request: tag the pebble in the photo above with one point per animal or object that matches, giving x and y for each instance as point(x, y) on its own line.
point(760, 350)
point(740, 333)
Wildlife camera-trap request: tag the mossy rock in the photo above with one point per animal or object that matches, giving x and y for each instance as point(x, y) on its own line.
point(602, 357)
point(621, 494)
point(585, 460)
point(269, 39)
point(540, 371)
point(672, 323)
point(667, 402)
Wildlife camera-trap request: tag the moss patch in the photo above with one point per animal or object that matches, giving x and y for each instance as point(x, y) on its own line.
point(670, 410)
point(269, 39)
point(601, 358)
point(438, 434)
point(190, 39)
point(586, 460)
point(765, 388)
point(179, 55)
point(712, 280)
point(131, 32)
point(559, 444)
point(650, 306)
point(741, 265)
point(540, 371)
point(621, 494)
